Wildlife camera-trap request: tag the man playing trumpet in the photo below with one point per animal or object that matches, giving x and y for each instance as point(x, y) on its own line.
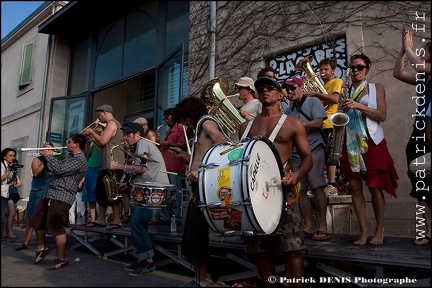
point(112, 136)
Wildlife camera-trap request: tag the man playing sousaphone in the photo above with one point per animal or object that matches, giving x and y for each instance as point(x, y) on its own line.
point(111, 138)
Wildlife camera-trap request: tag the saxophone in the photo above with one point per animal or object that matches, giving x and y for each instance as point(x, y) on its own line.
point(112, 185)
point(158, 136)
point(339, 120)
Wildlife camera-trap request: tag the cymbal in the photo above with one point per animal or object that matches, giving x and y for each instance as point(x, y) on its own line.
point(143, 157)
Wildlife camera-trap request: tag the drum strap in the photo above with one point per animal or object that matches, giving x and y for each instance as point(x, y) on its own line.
point(274, 132)
point(277, 127)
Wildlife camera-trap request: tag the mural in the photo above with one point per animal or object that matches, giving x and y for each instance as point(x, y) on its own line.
point(285, 64)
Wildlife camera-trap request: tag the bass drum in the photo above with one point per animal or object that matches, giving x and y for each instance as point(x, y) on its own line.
point(237, 189)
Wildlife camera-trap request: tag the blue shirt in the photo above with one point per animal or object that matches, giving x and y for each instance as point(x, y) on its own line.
point(313, 108)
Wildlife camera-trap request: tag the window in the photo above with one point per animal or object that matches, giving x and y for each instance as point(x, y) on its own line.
point(26, 69)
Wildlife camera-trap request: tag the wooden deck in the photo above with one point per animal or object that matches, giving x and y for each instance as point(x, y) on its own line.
point(337, 256)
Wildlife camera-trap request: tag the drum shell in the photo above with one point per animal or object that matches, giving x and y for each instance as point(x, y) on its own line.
point(234, 193)
point(152, 195)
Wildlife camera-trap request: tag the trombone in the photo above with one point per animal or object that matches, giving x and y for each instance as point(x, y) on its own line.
point(37, 154)
point(93, 126)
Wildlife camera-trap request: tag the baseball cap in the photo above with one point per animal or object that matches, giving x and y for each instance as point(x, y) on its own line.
point(105, 107)
point(294, 81)
point(132, 128)
point(260, 82)
point(246, 82)
point(141, 120)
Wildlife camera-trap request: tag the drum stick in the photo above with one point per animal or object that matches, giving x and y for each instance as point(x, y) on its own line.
point(186, 140)
point(150, 141)
point(172, 173)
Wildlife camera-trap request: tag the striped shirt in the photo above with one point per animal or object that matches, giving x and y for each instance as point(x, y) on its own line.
point(67, 175)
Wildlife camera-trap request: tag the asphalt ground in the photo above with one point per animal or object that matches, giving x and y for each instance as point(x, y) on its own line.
point(85, 269)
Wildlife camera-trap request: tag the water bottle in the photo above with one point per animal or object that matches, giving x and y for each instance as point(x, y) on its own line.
point(173, 223)
point(79, 219)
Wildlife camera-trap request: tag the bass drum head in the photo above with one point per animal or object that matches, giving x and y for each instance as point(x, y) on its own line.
point(267, 202)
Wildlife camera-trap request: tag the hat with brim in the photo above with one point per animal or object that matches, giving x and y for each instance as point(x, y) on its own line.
point(260, 82)
point(105, 107)
point(246, 82)
point(141, 120)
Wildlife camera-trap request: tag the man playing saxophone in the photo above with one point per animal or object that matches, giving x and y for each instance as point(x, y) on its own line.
point(111, 138)
point(333, 86)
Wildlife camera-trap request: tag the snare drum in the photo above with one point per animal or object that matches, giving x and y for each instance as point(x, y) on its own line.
point(235, 189)
point(152, 195)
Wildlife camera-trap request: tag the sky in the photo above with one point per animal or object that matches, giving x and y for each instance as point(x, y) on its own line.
point(14, 12)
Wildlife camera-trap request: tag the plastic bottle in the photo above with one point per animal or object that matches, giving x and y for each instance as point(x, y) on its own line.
point(173, 223)
point(79, 219)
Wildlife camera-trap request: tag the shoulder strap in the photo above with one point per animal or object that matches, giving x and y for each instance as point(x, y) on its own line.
point(245, 133)
point(304, 114)
point(277, 127)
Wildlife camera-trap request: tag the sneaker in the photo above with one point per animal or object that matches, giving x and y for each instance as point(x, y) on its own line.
point(331, 190)
point(133, 266)
point(21, 247)
point(145, 268)
point(40, 255)
point(58, 264)
point(193, 283)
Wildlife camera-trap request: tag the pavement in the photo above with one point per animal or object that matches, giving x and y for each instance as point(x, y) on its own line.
point(85, 269)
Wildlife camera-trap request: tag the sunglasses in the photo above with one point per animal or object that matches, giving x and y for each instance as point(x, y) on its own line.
point(289, 87)
point(267, 87)
point(358, 67)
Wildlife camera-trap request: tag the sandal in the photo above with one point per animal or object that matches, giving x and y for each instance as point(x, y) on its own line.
point(21, 247)
point(12, 237)
point(321, 236)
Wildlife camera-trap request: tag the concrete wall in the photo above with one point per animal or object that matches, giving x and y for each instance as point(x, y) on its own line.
point(250, 32)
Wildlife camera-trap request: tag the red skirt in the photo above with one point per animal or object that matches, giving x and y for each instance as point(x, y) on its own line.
point(381, 172)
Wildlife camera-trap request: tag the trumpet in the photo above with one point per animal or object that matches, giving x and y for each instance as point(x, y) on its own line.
point(92, 126)
point(37, 154)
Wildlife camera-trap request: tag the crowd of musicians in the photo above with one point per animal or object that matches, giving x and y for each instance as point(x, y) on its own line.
point(107, 160)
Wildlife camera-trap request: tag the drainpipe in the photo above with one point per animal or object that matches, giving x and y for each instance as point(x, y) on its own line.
point(212, 55)
point(45, 83)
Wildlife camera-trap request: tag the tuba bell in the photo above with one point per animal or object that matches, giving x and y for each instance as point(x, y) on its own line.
point(313, 83)
point(213, 93)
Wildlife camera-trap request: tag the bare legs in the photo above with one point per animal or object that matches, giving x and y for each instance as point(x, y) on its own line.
point(306, 209)
point(8, 225)
point(378, 204)
point(61, 241)
point(294, 268)
point(359, 203)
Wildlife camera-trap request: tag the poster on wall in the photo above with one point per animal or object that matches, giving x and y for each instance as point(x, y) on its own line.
point(285, 64)
point(76, 115)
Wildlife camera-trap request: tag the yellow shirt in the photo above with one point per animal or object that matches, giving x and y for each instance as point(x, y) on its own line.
point(332, 86)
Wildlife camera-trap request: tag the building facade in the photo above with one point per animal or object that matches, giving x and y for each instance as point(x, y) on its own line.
point(143, 57)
